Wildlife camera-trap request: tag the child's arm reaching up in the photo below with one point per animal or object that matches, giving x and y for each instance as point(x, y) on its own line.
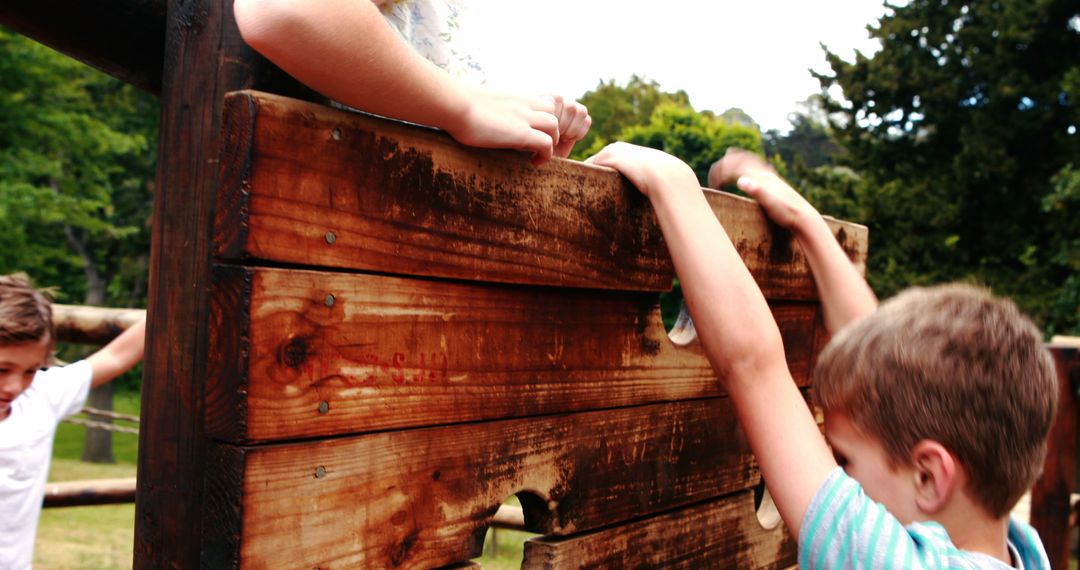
point(346, 50)
point(735, 326)
point(117, 357)
point(845, 295)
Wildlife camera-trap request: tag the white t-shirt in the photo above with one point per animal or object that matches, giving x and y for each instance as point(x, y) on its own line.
point(26, 439)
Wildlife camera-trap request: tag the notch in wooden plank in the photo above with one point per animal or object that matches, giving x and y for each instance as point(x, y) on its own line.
point(724, 533)
point(423, 498)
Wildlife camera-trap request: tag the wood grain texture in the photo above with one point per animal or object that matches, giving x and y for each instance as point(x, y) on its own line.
point(724, 533)
point(204, 57)
point(377, 195)
point(310, 354)
point(1050, 497)
point(424, 497)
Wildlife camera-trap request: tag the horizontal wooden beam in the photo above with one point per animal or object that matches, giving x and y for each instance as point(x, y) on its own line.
point(123, 38)
point(300, 354)
point(425, 497)
point(377, 195)
point(89, 493)
point(724, 533)
point(82, 324)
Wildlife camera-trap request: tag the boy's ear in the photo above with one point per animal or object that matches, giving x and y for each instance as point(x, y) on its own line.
point(936, 475)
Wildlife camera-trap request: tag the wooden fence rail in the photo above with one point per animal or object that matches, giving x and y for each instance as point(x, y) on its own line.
point(82, 324)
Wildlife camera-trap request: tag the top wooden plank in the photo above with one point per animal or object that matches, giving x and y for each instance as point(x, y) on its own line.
point(309, 185)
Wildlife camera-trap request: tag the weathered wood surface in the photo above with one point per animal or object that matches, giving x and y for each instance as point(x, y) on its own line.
point(92, 325)
point(204, 58)
point(1051, 497)
point(724, 533)
point(124, 38)
point(422, 498)
point(311, 354)
point(87, 493)
point(375, 195)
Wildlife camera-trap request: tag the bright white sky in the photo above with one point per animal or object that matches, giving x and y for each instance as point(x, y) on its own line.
point(752, 54)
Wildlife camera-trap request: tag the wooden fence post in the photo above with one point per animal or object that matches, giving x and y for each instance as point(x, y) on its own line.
point(205, 57)
point(1050, 497)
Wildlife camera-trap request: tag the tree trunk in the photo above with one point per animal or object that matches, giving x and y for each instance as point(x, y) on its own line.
point(98, 445)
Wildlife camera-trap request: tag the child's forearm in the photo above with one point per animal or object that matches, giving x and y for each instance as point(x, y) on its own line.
point(844, 293)
point(345, 50)
point(717, 287)
point(743, 343)
point(120, 355)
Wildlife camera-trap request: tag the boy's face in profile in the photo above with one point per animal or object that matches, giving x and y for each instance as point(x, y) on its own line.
point(864, 459)
point(18, 365)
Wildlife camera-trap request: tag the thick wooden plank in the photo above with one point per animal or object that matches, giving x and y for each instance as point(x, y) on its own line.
point(310, 354)
point(1050, 498)
point(422, 498)
point(718, 534)
point(204, 58)
point(377, 195)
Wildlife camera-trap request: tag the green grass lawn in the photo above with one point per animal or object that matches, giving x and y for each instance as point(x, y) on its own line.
point(508, 549)
point(89, 538)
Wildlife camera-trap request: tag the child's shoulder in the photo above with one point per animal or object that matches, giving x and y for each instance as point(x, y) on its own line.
point(61, 389)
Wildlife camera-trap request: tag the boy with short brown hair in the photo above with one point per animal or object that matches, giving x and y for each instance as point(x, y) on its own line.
point(924, 398)
point(33, 401)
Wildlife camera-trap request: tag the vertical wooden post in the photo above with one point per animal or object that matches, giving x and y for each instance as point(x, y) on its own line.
point(204, 58)
point(1050, 496)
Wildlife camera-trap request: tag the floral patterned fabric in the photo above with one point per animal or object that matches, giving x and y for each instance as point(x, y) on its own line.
point(431, 27)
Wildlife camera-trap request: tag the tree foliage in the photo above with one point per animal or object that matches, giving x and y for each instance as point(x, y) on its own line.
point(699, 138)
point(614, 108)
point(76, 165)
point(641, 113)
point(963, 127)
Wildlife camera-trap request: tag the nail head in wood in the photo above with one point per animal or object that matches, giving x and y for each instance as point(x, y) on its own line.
point(330, 300)
point(320, 472)
point(336, 133)
point(324, 407)
point(330, 238)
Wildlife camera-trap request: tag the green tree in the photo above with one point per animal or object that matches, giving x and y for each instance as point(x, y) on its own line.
point(699, 138)
point(614, 108)
point(958, 125)
point(76, 160)
point(808, 145)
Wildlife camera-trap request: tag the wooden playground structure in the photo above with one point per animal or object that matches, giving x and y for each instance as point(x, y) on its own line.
point(364, 337)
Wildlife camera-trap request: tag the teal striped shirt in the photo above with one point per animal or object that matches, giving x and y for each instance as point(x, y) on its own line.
point(843, 528)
